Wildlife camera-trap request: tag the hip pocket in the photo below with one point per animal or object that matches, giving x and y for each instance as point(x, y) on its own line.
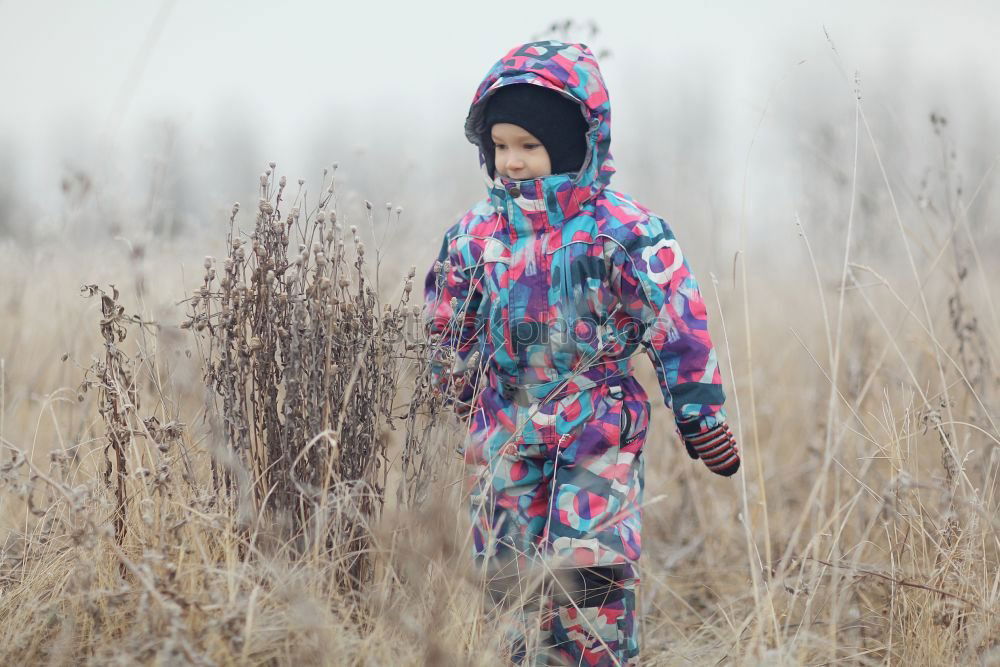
point(634, 422)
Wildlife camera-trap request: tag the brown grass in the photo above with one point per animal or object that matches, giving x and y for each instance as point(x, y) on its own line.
point(289, 494)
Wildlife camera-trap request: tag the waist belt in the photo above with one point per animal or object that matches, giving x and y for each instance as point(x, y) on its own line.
point(511, 388)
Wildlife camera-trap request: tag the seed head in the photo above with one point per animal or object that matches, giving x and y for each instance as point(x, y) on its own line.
point(399, 210)
point(208, 261)
point(271, 165)
point(388, 206)
point(412, 272)
point(282, 181)
point(263, 178)
point(302, 181)
point(368, 205)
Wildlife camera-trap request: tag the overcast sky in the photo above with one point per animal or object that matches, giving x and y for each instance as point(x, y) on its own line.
point(78, 74)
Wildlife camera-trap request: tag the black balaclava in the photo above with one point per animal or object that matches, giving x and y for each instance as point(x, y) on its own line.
point(556, 121)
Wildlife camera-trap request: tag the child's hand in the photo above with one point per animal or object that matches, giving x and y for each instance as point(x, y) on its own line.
point(717, 448)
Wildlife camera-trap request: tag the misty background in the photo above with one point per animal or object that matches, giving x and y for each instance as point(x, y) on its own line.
point(153, 117)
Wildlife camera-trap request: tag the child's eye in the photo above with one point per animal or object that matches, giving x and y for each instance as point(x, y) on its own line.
point(531, 146)
point(500, 147)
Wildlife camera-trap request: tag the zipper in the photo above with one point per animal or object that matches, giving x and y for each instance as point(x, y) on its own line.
point(625, 420)
point(626, 425)
point(567, 289)
point(508, 342)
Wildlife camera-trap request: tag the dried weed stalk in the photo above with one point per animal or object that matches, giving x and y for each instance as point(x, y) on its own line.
point(118, 398)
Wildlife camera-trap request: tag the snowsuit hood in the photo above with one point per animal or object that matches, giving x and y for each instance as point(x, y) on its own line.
point(572, 71)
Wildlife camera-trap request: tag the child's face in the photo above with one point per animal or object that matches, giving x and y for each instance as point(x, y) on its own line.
point(519, 155)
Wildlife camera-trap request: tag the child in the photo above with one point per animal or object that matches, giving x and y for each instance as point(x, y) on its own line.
point(545, 290)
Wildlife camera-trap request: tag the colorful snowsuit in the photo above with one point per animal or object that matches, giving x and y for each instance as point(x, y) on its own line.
point(549, 287)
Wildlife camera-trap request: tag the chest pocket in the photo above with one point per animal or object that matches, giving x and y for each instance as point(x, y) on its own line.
point(580, 287)
point(492, 265)
point(489, 259)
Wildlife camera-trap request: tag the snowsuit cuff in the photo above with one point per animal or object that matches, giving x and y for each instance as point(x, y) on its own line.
point(690, 428)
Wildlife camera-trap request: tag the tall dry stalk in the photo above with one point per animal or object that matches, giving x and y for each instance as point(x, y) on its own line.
point(117, 397)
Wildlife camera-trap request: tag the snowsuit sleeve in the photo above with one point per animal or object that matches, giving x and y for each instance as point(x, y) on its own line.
point(451, 304)
point(665, 310)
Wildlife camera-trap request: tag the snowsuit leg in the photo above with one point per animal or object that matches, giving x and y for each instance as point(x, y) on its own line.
point(546, 516)
point(603, 634)
point(508, 504)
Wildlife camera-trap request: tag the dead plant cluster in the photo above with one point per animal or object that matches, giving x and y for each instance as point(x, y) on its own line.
point(304, 359)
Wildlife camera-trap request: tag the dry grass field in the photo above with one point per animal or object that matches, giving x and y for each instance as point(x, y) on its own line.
point(252, 473)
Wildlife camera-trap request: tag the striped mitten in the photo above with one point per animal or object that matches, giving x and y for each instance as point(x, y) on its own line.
point(717, 448)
